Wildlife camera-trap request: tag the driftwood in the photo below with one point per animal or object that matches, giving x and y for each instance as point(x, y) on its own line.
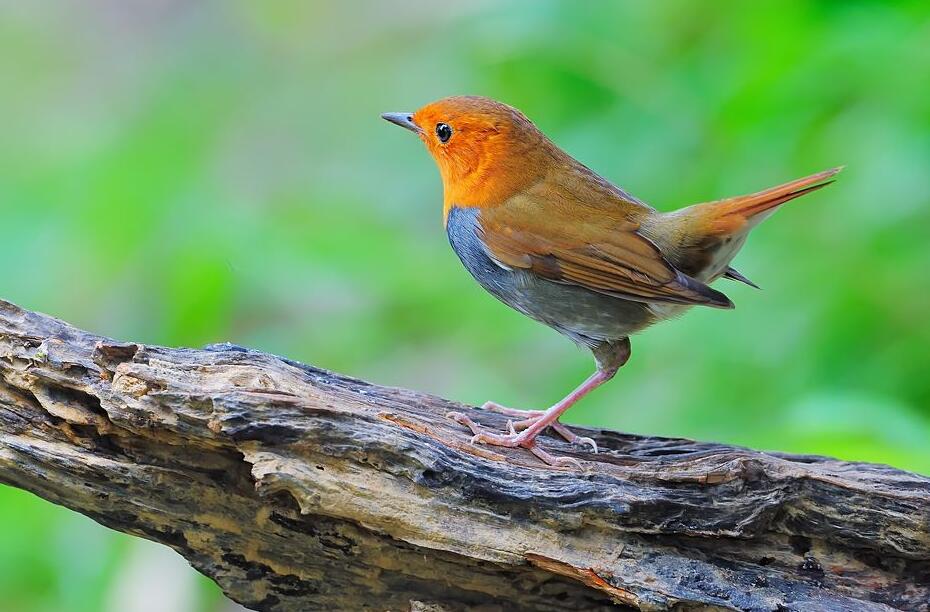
point(299, 489)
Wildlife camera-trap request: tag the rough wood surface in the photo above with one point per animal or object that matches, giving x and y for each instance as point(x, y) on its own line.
point(299, 489)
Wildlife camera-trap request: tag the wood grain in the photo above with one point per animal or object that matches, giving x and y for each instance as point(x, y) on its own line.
point(295, 488)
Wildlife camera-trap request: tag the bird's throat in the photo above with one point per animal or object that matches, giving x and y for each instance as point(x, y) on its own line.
point(486, 184)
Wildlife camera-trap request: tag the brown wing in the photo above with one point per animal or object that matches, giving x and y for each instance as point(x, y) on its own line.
point(598, 249)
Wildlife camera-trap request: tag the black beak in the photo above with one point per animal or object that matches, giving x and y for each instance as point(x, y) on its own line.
point(404, 120)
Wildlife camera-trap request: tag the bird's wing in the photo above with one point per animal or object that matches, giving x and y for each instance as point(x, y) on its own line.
point(600, 250)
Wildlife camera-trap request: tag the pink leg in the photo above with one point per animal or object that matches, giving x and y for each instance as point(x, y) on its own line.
point(528, 417)
point(552, 415)
point(567, 434)
point(610, 357)
point(527, 437)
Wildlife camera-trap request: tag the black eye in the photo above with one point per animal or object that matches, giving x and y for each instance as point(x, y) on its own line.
point(444, 132)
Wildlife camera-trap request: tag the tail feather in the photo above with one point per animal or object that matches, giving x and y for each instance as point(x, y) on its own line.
point(733, 214)
point(703, 239)
point(734, 274)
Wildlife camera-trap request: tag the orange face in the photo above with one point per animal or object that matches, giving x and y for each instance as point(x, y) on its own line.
point(483, 148)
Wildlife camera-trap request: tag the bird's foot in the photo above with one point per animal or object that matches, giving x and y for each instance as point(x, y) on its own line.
point(501, 409)
point(514, 439)
point(528, 417)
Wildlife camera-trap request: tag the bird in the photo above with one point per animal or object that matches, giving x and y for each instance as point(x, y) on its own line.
point(564, 246)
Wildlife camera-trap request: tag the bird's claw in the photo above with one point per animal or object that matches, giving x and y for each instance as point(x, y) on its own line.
point(574, 439)
point(528, 417)
point(480, 436)
point(586, 441)
point(514, 439)
point(554, 461)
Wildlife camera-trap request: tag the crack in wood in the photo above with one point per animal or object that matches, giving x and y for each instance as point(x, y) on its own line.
point(299, 489)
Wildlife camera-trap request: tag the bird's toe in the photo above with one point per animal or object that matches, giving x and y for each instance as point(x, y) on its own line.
point(464, 419)
point(511, 412)
point(554, 461)
point(508, 441)
point(586, 441)
point(572, 438)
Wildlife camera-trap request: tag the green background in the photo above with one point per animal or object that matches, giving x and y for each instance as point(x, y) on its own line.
point(185, 173)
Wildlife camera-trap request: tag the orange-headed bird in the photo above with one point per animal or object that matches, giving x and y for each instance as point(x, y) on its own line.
point(547, 236)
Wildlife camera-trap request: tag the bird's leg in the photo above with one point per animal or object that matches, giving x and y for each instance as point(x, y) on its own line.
point(570, 436)
point(528, 417)
point(527, 437)
point(610, 357)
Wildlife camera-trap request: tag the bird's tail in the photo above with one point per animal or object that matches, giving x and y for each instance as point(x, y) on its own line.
point(741, 213)
point(701, 240)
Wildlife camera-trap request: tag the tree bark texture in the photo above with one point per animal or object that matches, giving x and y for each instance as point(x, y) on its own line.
point(295, 488)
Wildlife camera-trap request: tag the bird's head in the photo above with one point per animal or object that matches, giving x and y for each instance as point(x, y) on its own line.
point(486, 151)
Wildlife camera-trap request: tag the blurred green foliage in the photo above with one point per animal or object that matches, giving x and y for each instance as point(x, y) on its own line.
point(185, 173)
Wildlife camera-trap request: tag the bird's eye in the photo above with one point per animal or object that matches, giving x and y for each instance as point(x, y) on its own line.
point(443, 132)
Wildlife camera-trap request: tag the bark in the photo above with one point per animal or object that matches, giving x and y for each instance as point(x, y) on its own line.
point(295, 488)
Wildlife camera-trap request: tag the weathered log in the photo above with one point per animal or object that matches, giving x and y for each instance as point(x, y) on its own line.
point(299, 489)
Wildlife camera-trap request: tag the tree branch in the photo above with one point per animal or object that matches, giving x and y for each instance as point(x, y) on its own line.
point(296, 489)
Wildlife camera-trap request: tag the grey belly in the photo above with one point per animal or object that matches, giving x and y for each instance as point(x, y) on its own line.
point(585, 316)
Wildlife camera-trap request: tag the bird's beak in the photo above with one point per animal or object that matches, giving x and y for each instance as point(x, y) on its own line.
point(404, 120)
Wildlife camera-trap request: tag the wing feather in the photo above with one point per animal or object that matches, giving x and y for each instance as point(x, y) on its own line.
point(601, 251)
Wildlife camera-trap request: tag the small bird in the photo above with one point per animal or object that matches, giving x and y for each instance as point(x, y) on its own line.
point(550, 238)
